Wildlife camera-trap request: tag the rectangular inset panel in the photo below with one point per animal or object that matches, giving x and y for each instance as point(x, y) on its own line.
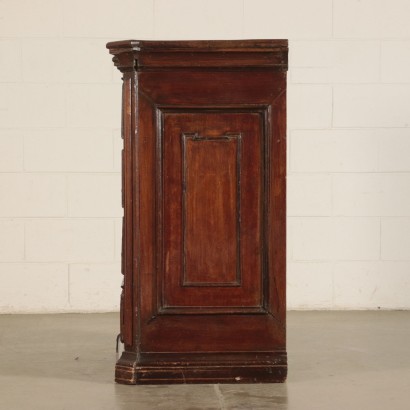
point(211, 210)
point(210, 224)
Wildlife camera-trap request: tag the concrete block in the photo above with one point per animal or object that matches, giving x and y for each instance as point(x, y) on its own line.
point(357, 19)
point(334, 150)
point(31, 18)
point(11, 240)
point(291, 19)
point(375, 105)
point(109, 19)
point(94, 195)
point(309, 106)
point(395, 61)
point(395, 239)
point(309, 195)
point(11, 150)
point(68, 150)
point(335, 61)
point(70, 240)
point(95, 287)
point(32, 105)
point(310, 285)
point(395, 150)
point(33, 195)
point(202, 19)
point(67, 64)
point(10, 60)
point(371, 285)
point(94, 105)
point(33, 287)
point(331, 238)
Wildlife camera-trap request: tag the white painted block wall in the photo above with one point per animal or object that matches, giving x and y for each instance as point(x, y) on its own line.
point(348, 150)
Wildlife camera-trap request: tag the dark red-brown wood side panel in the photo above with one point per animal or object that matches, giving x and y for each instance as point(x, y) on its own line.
point(204, 243)
point(212, 191)
point(210, 211)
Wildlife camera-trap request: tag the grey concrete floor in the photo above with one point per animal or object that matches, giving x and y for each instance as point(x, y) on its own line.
point(337, 360)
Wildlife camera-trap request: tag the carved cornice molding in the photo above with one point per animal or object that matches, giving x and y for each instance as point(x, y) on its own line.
point(132, 55)
point(124, 54)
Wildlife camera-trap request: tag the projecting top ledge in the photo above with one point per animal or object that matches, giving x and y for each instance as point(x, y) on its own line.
point(144, 54)
point(199, 45)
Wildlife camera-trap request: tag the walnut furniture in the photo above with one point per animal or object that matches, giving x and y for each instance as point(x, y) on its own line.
point(204, 197)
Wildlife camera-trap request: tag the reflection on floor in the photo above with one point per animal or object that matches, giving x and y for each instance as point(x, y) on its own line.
point(337, 360)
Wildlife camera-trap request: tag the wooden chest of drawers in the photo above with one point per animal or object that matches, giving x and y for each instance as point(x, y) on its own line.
point(204, 197)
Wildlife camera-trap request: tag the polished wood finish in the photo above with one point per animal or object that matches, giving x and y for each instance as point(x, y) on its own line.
point(204, 196)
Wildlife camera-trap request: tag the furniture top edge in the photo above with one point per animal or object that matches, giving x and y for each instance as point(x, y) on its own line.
point(198, 45)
